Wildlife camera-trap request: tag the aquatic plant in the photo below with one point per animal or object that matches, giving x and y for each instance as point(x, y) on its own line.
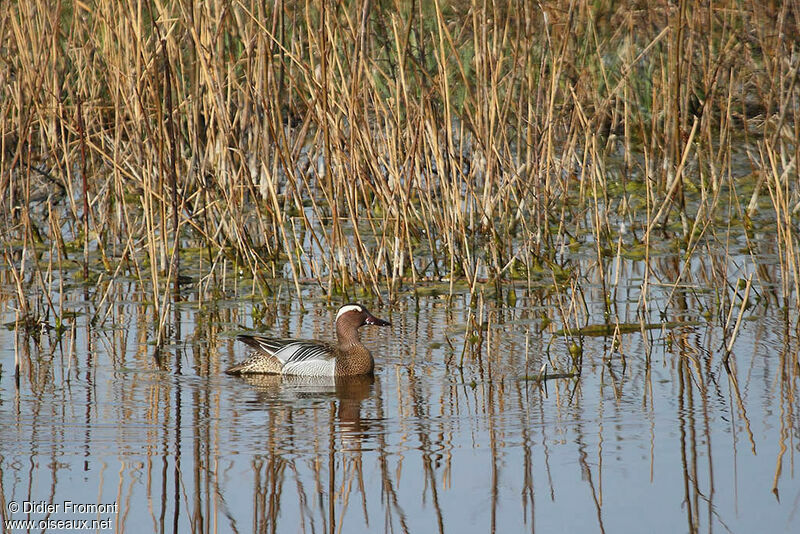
point(371, 147)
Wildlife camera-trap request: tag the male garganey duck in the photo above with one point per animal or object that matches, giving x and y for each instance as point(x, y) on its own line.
point(313, 358)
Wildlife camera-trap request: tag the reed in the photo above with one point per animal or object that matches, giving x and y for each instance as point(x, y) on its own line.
point(375, 146)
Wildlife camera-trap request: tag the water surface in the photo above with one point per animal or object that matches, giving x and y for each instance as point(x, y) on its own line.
point(450, 435)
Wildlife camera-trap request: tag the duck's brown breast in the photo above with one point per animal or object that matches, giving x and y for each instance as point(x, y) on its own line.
point(355, 360)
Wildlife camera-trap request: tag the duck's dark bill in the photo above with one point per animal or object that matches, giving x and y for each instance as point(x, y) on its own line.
point(371, 319)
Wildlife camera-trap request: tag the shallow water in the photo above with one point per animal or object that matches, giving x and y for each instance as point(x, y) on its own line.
point(448, 436)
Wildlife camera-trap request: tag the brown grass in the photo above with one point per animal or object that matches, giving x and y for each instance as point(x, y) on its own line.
point(374, 146)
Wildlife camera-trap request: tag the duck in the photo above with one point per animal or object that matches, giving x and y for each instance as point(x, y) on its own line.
point(347, 357)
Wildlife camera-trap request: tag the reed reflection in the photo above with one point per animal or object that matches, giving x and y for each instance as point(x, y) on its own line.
point(337, 462)
point(451, 433)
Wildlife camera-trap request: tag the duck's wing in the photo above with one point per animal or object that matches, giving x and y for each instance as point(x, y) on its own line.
point(288, 356)
point(264, 344)
point(289, 350)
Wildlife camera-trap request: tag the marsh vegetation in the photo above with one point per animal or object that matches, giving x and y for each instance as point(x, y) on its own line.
point(557, 200)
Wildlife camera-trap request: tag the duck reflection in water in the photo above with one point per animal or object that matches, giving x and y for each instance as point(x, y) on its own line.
point(319, 430)
point(295, 392)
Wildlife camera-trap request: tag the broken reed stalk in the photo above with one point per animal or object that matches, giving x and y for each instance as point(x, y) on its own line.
point(85, 191)
point(742, 308)
point(789, 257)
point(173, 171)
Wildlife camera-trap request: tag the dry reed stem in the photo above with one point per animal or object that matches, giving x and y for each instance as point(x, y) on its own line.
point(363, 148)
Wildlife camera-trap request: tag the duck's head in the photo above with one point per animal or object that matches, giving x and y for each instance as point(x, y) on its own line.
point(355, 316)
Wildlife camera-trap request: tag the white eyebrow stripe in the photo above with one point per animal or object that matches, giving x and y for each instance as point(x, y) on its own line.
point(349, 308)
